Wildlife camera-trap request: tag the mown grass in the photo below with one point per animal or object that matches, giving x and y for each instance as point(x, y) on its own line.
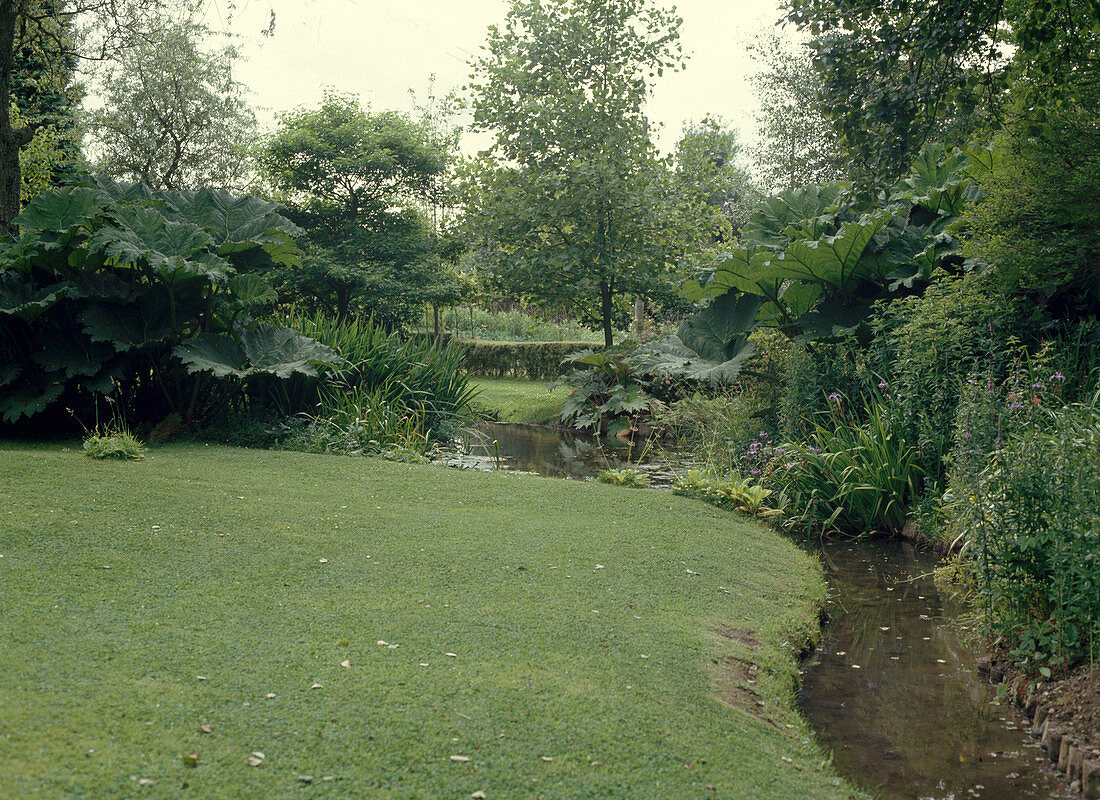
point(516, 400)
point(142, 600)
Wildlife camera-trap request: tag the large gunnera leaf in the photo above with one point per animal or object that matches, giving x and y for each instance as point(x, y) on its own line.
point(236, 223)
point(59, 210)
point(19, 298)
point(719, 332)
point(711, 345)
point(147, 320)
point(32, 394)
point(267, 349)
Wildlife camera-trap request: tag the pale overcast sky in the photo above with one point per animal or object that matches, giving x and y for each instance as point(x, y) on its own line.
point(380, 50)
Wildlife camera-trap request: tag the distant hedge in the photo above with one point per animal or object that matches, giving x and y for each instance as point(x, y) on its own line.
point(534, 360)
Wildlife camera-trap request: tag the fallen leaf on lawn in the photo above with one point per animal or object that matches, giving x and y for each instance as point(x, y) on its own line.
point(256, 758)
point(269, 695)
point(460, 759)
point(322, 560)
point(451, 655)
point(346, 664)
point(784, 758)
point(884, 627)
point(191, 759)
point(146, 782)
point(547, 758)
point(423, 663)
point(596, 763)
point(392, 646)
point(598, 566)
point(305, 778)
point(206, 729)
point(691, 572)
point(478, 795)
point(381, 643)
point(317, 686)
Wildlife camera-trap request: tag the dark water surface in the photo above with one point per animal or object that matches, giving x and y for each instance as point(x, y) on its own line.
point(893, 691)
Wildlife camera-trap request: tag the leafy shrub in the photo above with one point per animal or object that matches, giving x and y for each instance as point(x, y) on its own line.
point(113, 442)
point(715, 429)
point(107, 282)
point(925, 347)
point(625, 477)
point(531, 360)
point(1033, 518)
point(849, 476)
point(607, 394)
point(732, 492)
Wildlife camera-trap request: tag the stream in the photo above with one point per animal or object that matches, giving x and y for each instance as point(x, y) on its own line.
point(893, 691)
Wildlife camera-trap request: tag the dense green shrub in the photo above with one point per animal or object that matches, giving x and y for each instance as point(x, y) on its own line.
point(531, 360)
point(731, 492)
point(815, 371)
point(609, 394)
point(1032, 513)
point(114, 289)
point(924, 349)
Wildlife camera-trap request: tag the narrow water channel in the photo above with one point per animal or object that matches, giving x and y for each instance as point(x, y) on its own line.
point(893, 692)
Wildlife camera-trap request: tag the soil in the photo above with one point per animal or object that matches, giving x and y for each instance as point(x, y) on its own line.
point(1074, 701)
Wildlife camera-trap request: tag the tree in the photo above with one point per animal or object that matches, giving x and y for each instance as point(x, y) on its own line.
point(896, 71)
point(174, 117)
point(40, 29)
point(708, 177)
point(353, 179)
point(798, 144)
point(577, 208)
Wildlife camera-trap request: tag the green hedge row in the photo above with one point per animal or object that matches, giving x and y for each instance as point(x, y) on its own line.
point(533, 360)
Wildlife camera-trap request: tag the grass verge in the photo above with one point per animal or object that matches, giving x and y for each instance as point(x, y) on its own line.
point(515, 400)
point(389, 631)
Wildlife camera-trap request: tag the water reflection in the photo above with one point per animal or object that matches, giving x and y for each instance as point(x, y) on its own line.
point(551, 452)
point(895, 694)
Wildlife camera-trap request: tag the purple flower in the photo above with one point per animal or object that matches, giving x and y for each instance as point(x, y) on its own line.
point(1038, 385)
point(834, 397)
point(1058, 376)
point(763, 434)
point(756, 470)
point(966, 435)
point(883, 385)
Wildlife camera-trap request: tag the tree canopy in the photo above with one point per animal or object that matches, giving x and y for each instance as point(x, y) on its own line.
point(577, 209)
point(356, 180)
point(174, 117)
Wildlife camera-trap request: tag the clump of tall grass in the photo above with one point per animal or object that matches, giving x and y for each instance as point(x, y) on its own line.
point(404, 392)
point(851, 476)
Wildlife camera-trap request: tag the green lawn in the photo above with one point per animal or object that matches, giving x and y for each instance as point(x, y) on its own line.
point(515, 400)
point(555, 634)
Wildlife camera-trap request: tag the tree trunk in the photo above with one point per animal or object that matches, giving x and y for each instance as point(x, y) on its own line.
point(605, 313)
point(11, 139)
point(435, 319)
point(639, 317)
